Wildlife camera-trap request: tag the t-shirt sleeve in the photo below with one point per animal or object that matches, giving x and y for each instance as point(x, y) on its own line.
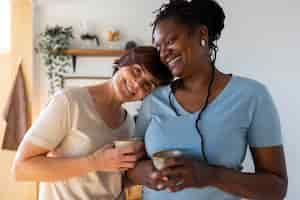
point(52, 125)
point(265, 128)
point(143, 118)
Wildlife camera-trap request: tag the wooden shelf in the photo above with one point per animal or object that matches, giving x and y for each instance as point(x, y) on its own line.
point(80, 77)
point(94, 52)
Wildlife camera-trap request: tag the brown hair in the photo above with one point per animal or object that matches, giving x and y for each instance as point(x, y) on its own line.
point(148, 57)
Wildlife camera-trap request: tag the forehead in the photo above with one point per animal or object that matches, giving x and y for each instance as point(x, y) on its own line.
point(149, 76)
point(165, 28)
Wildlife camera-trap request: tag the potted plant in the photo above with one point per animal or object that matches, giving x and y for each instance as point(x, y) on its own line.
point(51, 44)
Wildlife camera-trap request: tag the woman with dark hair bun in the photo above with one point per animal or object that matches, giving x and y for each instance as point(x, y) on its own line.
point(210, 117)
point(69, 148)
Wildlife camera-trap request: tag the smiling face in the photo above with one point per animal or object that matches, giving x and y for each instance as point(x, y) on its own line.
point(133, 83)
point(179, 47)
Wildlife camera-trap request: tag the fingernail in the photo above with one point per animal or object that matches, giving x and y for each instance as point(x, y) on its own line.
point(153, 175)
point(160, 186)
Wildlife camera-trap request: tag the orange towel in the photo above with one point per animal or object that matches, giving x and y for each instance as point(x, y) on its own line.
point(17, 118)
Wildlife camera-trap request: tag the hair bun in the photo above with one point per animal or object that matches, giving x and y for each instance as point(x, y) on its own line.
point(212, 15)
point(176, 1)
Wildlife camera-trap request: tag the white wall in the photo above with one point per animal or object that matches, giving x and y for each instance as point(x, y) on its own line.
point(260, 41)
point(133, 22)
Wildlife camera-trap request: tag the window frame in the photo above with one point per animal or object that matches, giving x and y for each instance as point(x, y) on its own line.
point(6, 10)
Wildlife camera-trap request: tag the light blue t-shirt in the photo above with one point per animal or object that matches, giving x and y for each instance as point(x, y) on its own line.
point(242, 115)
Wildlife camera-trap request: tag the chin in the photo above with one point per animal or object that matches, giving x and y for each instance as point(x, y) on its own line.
point(131, 100)
point(125, 97)
point(177, 73)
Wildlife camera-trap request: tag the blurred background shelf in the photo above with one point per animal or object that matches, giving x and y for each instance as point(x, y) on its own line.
point(94, 52)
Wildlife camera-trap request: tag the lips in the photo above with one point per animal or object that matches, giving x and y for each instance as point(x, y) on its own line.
point(129, 90)
point(172, 62)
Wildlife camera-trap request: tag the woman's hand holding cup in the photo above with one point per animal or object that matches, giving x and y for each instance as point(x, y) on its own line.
point(111, 158)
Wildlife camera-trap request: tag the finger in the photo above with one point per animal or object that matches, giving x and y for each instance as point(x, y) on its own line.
point(151, 185)
point(171, 173)
point(179, 186)
point(154, 181)
point(123, 169)
point(173, 182)
point(128, 158)
point(132, 157)
point(127, 150)
point(158, 184)
point(128, 165)
point(116, 169)
point(107, 146)
point(141, 155)
point(139, 146)
point(135, 148)
point(173, 162)
point(157, 175)
point(154, 175)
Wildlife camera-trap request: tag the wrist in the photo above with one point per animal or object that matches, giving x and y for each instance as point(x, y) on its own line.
point(129, 175)
point(134, 175)
point(90, 162)
point(214, 175)
point(127, 181)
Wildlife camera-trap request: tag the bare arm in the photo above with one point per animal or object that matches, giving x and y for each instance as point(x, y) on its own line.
point(268, 182)
point(32, 164)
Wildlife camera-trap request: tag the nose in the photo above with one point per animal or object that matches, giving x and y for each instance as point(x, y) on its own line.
point(136, 83)
point(163, 53)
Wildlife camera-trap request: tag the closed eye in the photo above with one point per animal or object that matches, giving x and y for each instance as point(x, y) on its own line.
point(171, 40)
point(137, 71)
point(148, 86)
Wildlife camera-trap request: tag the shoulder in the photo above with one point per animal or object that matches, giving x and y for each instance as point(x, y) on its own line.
point(59, 97)
point(249, 87)
point(70, 97)
point(155, 101)
point(248, 83)
point(160, 94)
point(73, 94)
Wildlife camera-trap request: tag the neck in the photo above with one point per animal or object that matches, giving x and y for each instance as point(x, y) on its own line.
point(199, 79)
point(105, 93)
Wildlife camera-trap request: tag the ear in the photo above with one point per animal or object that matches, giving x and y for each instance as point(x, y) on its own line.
point(202, 33)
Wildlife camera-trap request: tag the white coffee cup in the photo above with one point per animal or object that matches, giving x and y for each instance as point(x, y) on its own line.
point(160, 158)
point(127, 142)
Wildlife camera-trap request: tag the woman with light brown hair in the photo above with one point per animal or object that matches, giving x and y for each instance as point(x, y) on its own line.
point(69, 147)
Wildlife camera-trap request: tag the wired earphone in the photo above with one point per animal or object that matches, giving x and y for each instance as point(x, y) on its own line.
point(175, 85)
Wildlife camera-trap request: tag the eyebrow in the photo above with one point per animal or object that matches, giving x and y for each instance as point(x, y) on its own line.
point(144, 70)
point(154, 83)
point(166, 36)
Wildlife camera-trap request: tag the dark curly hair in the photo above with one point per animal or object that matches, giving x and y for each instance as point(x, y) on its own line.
point(193, 14)
point(148, 57)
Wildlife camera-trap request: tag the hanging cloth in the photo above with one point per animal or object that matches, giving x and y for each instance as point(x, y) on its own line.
point(16, 118)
